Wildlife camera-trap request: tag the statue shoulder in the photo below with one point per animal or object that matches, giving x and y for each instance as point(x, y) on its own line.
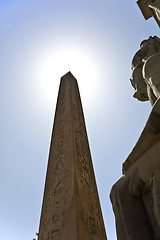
point(151, 65)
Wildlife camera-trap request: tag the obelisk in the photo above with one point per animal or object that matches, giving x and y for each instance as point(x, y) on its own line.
point(71, 208)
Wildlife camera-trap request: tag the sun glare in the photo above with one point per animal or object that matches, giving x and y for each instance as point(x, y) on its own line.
point(55, 65)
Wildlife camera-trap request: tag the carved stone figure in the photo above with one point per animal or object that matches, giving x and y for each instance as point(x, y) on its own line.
point(136, 196)
point(146, 71)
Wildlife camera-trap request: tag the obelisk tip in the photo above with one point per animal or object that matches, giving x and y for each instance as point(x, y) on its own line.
point(68, 75)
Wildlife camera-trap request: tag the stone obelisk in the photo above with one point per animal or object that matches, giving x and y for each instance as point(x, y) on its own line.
point(71, 208)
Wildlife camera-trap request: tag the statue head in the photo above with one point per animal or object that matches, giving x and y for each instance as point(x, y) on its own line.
point(148, 47)
point(139, 81)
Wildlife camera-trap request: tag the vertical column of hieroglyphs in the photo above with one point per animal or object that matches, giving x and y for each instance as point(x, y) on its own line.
point(58, 220)
point(89, 217)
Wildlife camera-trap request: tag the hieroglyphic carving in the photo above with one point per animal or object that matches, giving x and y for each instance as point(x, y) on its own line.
point(90, 212)
point(59, 175)
point(70, 173)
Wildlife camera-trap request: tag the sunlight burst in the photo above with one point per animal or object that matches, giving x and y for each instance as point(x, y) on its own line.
point(55, 65)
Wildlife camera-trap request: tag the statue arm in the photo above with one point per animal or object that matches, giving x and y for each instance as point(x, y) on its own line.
point(151, 96)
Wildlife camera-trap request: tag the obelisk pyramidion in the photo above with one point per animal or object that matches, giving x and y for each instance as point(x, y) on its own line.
point(71, 208)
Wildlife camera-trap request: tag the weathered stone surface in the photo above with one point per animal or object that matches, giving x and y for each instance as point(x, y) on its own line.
point(146, 11)
point(150, 8)
point(156, 194)
point(148, 140)
point(71, 208)
point(131, 217)
point(136, 196)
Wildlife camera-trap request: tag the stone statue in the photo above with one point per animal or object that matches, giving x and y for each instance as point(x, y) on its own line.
point(146, 71)
point(136, 196)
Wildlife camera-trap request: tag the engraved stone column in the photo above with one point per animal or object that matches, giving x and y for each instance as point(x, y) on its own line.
point(71, 208)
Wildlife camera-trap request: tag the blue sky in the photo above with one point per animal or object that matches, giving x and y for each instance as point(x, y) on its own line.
point(39, 42)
